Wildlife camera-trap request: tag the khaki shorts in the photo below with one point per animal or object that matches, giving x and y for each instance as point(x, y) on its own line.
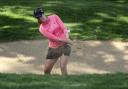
point(55, 53)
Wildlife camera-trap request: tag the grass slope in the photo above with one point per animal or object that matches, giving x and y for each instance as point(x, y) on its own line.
point(87, 19)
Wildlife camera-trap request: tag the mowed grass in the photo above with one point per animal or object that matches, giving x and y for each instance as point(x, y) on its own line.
point(87, 19)
point(87, 81)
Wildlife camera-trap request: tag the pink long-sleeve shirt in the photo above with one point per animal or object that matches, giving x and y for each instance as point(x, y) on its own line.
point(54, 29)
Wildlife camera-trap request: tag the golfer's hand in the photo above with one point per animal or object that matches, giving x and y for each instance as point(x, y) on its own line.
point(69, 42)
point(66, 41)
point(62, 40)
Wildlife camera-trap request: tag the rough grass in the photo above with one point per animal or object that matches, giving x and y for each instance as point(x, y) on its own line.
point(87, 19)
point(87, 81)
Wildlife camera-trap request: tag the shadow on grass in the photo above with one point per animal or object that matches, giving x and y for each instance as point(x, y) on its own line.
point(17, 29)
point(100, 20)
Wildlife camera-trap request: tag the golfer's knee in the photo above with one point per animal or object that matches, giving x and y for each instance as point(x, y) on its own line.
point(47, 71)
point(63, 67)
point(64, 70)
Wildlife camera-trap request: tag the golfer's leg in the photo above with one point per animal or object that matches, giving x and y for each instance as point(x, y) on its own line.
point(49, 63)
point(63, 64)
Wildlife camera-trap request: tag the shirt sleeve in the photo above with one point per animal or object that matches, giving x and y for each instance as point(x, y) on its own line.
point(63, 27)
point(47, 34)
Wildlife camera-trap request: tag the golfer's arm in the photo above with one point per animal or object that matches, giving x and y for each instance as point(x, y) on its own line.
point(66, 33)
point(49, 35)
point(63, 27)
point(61, 23)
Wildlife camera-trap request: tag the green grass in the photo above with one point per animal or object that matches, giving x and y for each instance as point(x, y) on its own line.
point(88, 81)
point(87, 19)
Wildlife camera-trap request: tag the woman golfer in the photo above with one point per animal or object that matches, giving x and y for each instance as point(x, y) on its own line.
point(53, 28)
